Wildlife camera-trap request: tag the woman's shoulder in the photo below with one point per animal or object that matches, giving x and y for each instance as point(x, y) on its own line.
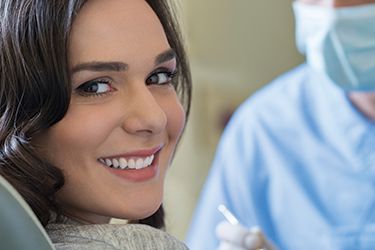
point(111, 236)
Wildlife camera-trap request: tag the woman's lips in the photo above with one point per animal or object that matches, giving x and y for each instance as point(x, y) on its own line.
point(137, 166)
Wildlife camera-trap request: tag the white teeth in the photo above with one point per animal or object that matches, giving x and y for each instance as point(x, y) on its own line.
point(139, 163)
point(115, 163)
point(108, 162)
point(131, 163)
point(123, 163)
point(147, 161)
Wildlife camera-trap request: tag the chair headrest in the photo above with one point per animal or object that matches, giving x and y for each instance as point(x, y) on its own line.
point(19, 227)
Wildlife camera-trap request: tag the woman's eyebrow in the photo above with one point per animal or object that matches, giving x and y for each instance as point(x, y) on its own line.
point(100, 66)
point(165, 56)
point(119, 66)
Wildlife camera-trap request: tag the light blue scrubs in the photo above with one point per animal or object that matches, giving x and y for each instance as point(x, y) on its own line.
point(298, 160)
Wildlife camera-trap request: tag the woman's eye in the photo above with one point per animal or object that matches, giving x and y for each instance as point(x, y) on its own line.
point(160, 78)
point(96, 87)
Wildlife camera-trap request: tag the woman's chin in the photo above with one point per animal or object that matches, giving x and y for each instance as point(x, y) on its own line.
point(141, 211)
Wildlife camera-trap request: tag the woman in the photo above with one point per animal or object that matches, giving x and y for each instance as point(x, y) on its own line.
point(90, 114)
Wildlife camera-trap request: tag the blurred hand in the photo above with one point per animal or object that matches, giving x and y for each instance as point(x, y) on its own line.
point(237, 237)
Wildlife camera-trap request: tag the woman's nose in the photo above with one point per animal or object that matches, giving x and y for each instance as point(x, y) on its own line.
point(144, 114)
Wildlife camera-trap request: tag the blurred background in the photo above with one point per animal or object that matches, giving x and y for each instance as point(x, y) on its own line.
point(235, 47)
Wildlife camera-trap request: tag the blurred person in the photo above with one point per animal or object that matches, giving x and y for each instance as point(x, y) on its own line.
point(297, 159)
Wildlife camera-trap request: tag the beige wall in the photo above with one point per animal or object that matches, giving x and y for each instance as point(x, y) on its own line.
point(235, 47)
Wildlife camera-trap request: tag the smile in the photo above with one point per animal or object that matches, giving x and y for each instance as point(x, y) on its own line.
point(129, 162)
point(135, 160)
point(136, 166)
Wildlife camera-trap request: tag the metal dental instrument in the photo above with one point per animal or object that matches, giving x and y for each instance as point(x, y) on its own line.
point(233, 220)
point(228, 215)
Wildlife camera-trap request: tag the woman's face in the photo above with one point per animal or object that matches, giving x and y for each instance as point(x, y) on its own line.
point(118, 137)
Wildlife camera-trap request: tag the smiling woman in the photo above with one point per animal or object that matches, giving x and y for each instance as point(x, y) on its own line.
point(92, 109)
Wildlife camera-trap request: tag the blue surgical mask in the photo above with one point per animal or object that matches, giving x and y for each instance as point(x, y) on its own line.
point(339, 42)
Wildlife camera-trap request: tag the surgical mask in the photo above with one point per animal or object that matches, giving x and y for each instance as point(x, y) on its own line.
point(339, 42)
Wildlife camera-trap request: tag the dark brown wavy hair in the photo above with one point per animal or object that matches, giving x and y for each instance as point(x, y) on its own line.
point(35, 91)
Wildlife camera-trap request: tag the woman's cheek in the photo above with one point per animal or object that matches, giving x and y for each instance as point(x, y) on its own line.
point(91, 124)
point(176, 118)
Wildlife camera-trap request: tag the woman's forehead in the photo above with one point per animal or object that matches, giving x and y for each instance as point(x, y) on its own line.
point(114, 29)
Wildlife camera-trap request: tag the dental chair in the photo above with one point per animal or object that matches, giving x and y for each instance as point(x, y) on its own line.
point(19, 227)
